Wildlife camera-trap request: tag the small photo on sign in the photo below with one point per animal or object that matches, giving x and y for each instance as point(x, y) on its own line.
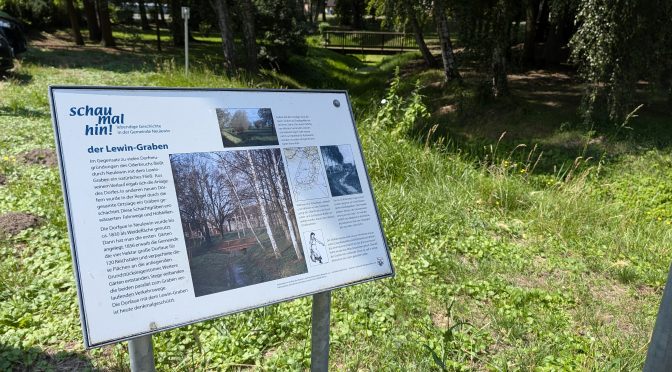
point(341, 170)
point(318, 254)
point(242, 127)
point(237, 217)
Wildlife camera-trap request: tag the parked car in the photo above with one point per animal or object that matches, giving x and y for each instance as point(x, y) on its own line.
point(12, 41)
point(6, 54)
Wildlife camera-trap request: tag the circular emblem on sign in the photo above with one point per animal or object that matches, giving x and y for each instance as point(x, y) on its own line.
point(337, 103)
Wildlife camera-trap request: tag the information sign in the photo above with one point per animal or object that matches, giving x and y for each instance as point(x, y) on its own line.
point(188, 204)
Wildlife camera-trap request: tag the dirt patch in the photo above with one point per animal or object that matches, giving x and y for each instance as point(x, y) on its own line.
point(45, 157)
point(3, 179)
point(14, 222)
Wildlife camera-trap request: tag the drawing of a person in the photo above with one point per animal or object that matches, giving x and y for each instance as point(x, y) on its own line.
point(314, 252)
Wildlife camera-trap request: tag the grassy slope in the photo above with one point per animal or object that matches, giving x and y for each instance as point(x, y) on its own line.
point(546, 272)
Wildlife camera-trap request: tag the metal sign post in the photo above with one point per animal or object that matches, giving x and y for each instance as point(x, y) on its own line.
point(185, 16)
point(659, 355)
point(142, 354)
point(319, 353)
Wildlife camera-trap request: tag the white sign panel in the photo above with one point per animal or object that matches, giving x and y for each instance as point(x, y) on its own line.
point(185, 204)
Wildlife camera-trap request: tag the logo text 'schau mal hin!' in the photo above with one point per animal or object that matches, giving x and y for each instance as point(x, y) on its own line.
point(105, 116)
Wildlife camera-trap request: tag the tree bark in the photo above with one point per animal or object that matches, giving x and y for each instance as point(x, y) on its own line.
point(264, 215)
point(531, 10)
point(320, 10)
point(249, 36)
point(92, 21)
point(417, 32)
point(74, 22)
point(105, 24)
point(158, 28)
point(144, 22)
point(500, 86)
point(176, 25)
point(162, 14)
point(227, 36)
point(448, 57)
point(285, 210)
point(240, 204)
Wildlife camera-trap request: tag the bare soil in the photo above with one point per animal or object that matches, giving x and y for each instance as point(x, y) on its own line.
point(3, 179)
point(46, 157)
point(13, 223)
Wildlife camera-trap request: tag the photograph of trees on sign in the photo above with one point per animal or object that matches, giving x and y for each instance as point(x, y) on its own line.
point(341, 170)
point(241, 127)
point(238, 218)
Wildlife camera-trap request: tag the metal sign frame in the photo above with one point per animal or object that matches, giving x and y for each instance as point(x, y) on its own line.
point(68, 196)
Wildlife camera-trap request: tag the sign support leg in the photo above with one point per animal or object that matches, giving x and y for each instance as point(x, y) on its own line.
point(319, 354)
point(659, 355)
point(142, 354)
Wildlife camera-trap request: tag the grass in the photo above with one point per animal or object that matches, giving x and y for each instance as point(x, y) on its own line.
point(501, 265)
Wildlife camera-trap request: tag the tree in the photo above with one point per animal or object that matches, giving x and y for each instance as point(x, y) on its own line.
point(351, 13)
point(500, 47)
point(92, 21)
point(266, 116)
point(262, 207)
point(144, 22)
point(447, 56)
point(105, 24)
point(618, 43)
point(176, 25)
point(531, 12)
point(278, 171)
point(247, 16)
point(400, 13)
point(74, 22)
point(239, 122)
point(224, 21)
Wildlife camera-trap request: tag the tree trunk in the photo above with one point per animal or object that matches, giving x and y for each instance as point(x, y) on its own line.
point(531, 10)
point(320, 10)
point(92, 21)
point(264, 215)
point(144, 22)
point(285, 210)
point(105, 24)
point(162, 14)
point(158, 29)
point(74, 22)
point(448, 57)
point(227, 36)
point(417, 32)
point(247, 13)
point(500, 85)
point(240, 205)
point(176, 25)
point(358, 14)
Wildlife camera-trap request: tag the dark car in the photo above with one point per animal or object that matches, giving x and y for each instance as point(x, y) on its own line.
point(6, 54)
point(12, 41)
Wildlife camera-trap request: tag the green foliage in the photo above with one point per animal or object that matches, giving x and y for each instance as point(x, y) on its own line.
point(282, 32)
point(399, 114)
point(36, 13)
point(619, 43)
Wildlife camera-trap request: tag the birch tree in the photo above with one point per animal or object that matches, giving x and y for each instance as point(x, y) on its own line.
point(262, 207)
point(285, 210)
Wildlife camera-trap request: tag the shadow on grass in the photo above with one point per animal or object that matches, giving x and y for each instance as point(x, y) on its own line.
point(34, 359)
point(542, 111)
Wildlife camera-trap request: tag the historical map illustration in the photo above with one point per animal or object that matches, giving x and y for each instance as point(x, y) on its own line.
point(306, 172)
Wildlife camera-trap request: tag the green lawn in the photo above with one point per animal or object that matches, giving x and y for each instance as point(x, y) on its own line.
point(503, 262)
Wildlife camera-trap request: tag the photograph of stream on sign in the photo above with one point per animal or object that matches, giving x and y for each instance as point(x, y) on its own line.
point(187, 204)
